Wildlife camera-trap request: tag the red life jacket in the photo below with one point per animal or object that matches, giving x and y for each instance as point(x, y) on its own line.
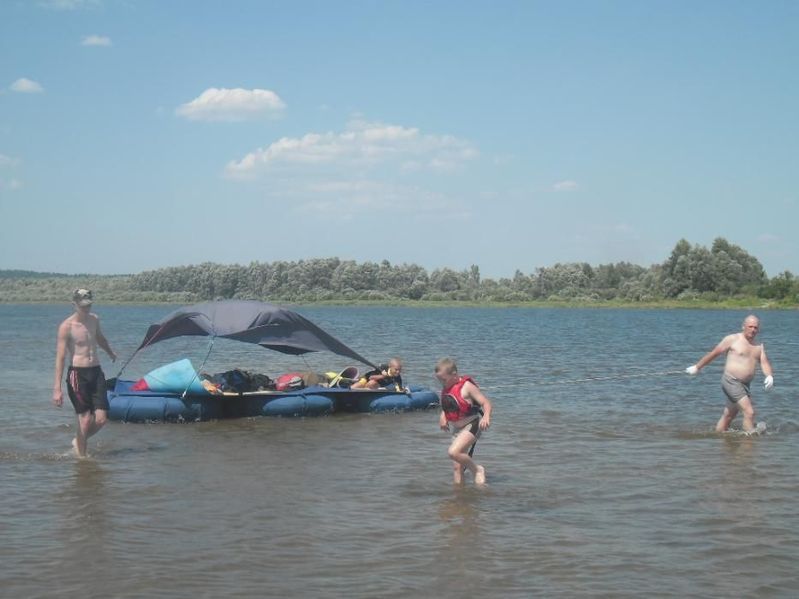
point(289, 381)
point(453, 403)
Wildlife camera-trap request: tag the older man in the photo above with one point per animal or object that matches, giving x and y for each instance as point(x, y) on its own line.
point(743, 354)
point(80, 335)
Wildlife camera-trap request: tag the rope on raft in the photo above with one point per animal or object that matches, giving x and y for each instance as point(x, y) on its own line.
point(591, 379)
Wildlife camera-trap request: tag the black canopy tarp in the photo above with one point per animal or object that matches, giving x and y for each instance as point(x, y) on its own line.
point(252, 322)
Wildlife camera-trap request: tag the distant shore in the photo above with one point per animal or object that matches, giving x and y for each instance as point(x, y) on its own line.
point(692, 277)
point(748, 303)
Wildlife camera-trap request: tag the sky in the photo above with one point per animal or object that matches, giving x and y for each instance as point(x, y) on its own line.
point(140, 134)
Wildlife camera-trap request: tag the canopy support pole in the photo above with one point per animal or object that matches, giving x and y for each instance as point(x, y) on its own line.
point(197, 372)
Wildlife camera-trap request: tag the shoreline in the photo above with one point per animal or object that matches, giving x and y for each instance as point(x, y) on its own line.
point(729, 304)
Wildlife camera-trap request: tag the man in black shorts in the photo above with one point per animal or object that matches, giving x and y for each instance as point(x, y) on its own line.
point(80, 335)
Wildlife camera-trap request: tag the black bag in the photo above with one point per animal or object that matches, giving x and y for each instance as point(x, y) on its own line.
point(233, 380)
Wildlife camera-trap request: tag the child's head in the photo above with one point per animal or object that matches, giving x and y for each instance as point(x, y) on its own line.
point(446, 369)
point(394, 366)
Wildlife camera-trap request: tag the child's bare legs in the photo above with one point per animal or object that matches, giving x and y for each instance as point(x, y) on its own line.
point(459, 453)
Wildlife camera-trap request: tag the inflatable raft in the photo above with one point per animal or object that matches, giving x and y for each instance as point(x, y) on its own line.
point(127, 405)
point(177, 392)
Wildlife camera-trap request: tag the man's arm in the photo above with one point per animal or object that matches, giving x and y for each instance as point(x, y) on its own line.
point(60, 355)
point(103, 342)
point(765, 366)
point(722, 348)
point(472, 392)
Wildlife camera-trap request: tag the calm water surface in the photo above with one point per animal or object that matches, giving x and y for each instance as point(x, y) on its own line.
point(605, 478)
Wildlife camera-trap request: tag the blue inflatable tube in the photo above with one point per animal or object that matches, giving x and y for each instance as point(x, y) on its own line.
point(137, 408)
point(147, 406)
point(416, 400)
point(299, 405)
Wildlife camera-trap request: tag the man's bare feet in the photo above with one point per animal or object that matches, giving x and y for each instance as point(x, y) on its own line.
point(75, 448)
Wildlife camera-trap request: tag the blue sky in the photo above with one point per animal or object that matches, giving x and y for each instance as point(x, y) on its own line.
point(140, 134)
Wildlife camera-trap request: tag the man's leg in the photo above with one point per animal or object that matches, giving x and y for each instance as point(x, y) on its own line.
point(745, 404)
point(99, 420)
point(85, 422)
point(88, 425)
point(727, 416)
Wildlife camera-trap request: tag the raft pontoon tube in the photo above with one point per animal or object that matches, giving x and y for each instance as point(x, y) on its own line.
point(175, 391)
point(158, 406)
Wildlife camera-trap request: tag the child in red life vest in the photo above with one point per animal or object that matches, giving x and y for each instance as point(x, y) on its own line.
point(466, 412)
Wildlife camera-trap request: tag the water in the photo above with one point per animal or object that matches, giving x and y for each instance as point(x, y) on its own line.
point(606, 488)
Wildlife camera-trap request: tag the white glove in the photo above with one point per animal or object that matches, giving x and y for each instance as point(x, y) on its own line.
point(692, 370)
point(768, 383)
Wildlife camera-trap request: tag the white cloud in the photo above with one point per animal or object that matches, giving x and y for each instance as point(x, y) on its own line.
point(347, 199)
point(232, 105)
point(361, 144)
point(768, 238)
point(503, 159)
point(10, 185)
point(96, 40)
point(624, 228)
point(26, 86)
point(565, 186)
point(8, 161)
point(69, 4)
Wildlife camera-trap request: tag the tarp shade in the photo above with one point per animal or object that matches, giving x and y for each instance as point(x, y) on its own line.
point(251, 322)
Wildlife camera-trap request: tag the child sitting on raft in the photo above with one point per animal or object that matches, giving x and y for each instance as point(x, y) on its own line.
point(385, 377)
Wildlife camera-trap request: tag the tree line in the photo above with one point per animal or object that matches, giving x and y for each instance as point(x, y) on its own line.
point(691, 272)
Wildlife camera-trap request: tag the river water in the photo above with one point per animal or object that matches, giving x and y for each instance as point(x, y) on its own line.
point(605, 478)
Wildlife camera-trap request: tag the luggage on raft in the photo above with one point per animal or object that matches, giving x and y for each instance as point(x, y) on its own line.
point(177, 392)
point(128, 405)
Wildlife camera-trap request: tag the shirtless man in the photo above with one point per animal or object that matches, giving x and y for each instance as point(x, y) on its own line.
point(743, 355)
point(80, 335)
point(466, 413)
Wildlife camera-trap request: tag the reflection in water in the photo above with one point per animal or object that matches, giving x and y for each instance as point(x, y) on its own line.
point(459, 550)
point(83, 524)
point(738, 470)
point(739, 448)
point(460, 509)
point(86, 492)
point(617, 488)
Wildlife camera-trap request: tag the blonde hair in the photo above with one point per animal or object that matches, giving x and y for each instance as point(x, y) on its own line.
point(449, 364)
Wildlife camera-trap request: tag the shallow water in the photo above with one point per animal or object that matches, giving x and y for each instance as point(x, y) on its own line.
point(605, 476)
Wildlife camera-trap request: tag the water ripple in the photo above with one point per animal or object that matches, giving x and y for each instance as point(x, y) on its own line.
point(616, 487)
